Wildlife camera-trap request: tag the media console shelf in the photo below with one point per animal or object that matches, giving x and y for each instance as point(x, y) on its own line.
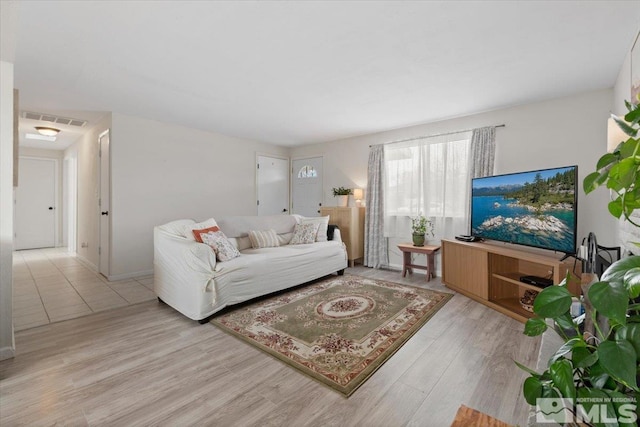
point(490, 273)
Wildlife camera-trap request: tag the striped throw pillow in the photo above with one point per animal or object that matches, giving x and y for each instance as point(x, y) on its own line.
point(263, 239)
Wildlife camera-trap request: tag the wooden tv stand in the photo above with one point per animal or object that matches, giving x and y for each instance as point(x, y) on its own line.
point(490, 273)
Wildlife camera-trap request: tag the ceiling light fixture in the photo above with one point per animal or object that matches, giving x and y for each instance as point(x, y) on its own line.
point(40, 137)
point(47, 131)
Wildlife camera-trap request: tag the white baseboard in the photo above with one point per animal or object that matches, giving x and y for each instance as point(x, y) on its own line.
point(7, 353)
point(115, 277)
point(86, 262)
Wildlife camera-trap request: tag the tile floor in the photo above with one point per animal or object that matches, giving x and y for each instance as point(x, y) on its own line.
point(50, 285)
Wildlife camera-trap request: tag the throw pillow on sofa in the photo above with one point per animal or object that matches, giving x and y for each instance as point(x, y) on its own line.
point(304, 234)
point(263, 239)
point(221, 245)
point(198, 233)
point(187, 231)
point(323, 224)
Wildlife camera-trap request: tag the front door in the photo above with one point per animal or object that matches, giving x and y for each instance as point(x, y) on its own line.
point(35, 204)
point(307, 186)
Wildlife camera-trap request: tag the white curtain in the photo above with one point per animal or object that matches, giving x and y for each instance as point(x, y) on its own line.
point(429, 176)
point(376, 252)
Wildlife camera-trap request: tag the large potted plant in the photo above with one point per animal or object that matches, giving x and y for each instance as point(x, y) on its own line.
point(342, 194)
point(596, 375)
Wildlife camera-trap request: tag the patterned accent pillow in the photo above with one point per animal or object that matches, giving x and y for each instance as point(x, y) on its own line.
point(263, 239)
point(221, 245)
point(304, 233)
point(198, 233)
point(323, 224)
point(187, 230)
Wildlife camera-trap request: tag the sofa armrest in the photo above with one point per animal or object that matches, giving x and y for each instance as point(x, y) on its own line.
point(332, 229)
point(183, 271)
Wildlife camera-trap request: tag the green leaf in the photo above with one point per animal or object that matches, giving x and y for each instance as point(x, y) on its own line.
point(565, 321)
point(606, 160)
point(532, 390)
point(618, 359)
point(615, 208)
point(589, 183)
point(552, 302)
point(632, 116)
point(534, 327)
point(630, 333)
point(618, 269)
point(624, 171)
point(583, 358)
point(562, 376)
point(632, 282)
point(598, 377)
point(622, 124)
point(610, 299)
point(527, 370)
point(567, 347)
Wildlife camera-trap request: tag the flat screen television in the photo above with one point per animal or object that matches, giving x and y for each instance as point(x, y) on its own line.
point(536, 208)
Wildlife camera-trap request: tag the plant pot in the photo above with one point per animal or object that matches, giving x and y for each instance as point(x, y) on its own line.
point(343, 201)
point(418, 239)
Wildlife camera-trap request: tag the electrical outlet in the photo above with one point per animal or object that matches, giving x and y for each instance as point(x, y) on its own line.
point(84, 245)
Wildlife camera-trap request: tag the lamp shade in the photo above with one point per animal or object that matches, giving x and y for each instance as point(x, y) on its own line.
point(358, 193)
point(614, 135)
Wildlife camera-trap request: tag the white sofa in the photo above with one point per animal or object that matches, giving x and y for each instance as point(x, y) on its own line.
point(188, 278)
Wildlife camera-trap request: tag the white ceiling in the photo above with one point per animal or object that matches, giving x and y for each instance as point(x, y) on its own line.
point(299, 72)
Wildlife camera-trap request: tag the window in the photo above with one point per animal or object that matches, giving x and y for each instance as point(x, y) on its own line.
point(429, 176)
point(307, 172)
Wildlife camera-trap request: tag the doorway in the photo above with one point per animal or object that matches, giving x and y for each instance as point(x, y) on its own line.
point(273, 185)
point(307, 186)
point(35, 204)
point(70, 201)
point(104, 204)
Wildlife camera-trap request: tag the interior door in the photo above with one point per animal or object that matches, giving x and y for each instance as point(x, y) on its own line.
point(105, 204)
point(273, 185)
point(35, 204)
point(307, 186)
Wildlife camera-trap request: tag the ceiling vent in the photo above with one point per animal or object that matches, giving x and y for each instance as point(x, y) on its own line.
point(54, 119)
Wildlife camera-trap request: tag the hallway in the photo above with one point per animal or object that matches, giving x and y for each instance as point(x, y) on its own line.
point(50, 285)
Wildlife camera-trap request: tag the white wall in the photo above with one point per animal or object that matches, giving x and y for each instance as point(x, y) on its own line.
point(57, 155)
point(559, 132)
point(7, 345)
point(162, 172)
point(86, 150)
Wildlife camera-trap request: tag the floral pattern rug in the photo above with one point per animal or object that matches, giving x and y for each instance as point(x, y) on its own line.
point(338, 330)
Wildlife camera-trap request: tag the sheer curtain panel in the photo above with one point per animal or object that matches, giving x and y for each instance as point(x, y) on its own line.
point(429, 176)
point(376, 252)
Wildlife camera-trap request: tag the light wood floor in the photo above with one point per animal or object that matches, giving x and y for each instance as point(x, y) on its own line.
point(146, 364)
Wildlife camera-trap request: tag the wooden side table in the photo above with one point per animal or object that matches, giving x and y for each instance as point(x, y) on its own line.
point(408, 248)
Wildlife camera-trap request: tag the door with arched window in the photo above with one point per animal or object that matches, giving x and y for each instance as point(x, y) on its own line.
point(307, 186)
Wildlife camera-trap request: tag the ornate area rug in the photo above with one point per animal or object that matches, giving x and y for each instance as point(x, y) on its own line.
point(339, 330)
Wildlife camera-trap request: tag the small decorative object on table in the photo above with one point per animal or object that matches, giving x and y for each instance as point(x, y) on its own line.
point(421, 226)
point(343, 195)
point(527, 300)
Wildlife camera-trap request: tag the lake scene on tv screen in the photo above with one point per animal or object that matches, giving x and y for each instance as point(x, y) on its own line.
point(530, 208)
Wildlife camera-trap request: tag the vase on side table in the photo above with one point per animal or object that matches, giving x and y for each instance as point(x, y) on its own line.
point(418, 239)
